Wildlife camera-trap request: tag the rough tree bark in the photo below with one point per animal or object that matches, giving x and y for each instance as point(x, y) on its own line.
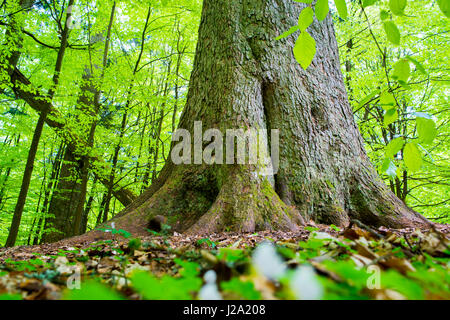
point(243, 78)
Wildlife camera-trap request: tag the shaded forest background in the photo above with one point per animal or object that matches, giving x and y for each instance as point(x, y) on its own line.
point(141, 88)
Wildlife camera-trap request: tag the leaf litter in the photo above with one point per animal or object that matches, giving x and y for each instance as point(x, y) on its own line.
point(315, 262)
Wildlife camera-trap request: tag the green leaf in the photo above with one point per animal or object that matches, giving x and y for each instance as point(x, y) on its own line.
point(304, 1)
point(389, 168)
point(166, 288)
point(394, 147)
point(305, 18)
point(384, 14)
point(288, 33)
point(417, 64)
point(10, 297)
point(245, 290)
point(397, 6)
point(395, 281)
point(387, 100)
point(367, 98)
point(190, 269)
point(367, 3)
point(402, 70)
point(426, 129)
point(341, 7)
point(390, 116)
point(444, 5)
point(322, 9)
point(305, 49)
point(412, 157)
point(392, 33)
point(92, 290)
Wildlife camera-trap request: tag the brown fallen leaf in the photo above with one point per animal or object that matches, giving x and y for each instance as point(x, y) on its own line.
point(401, 265)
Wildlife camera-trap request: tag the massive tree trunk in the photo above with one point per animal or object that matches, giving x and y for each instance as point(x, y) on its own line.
point(243, 78)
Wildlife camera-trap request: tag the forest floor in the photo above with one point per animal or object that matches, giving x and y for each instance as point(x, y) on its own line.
point(317, 262)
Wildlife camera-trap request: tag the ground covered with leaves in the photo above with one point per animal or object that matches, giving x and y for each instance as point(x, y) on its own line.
point(318, 262)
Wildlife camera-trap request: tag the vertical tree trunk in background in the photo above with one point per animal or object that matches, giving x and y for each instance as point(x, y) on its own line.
point(92, 114)
point(88, 208)
point(68, 206)
point(114, 165)
point(63, 201)
point(48, 194)
point(15, 224)
point(160, 120)
point(69, 189)
point(243, 78)
point(5, 178)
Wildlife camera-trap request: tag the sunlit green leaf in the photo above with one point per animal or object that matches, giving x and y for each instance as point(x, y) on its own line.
point(367, 3)
point(341, 7)
point(92, 290)
point(384, 14)
point(394, 147)
point(305, 49)
point(321, 9)
point(390, 116)
point(368, 98)
point(306, 18)
point(402, 70)
point(412, 157)
point(387, 100)
point(389, 168)
point(392, 33)
point(426, 129)
point(288, 33)
point(397, 6)
point(444, 5)
point(417, 64)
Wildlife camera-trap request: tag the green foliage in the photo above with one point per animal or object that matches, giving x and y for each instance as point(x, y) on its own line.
point(341, 7)
point(398, 93)
point(10, 297)
point(208, 242)
point(170, 40)
point(92, 290)
point(115, 231)
point(321, 9)
point(392, 33)
point(397, 6)
point(402, 71)
point(134, 244)
point(244, 289)
point(413, 158)
point(305, 49)
point(305, 19)
point(444, 5)
point(426, 128)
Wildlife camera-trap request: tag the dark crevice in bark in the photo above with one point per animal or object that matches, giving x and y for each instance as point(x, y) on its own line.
point(280, 185)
